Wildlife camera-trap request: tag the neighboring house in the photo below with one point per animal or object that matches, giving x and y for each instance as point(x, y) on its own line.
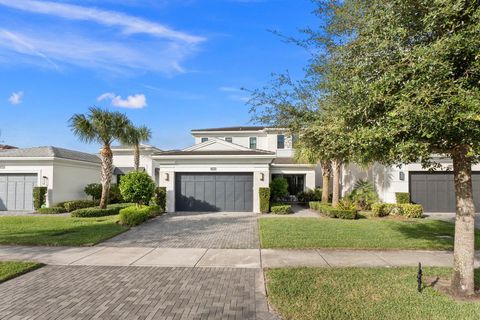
point(6, 147)
point(64, 172)
point(224, 169)
point(123, 161)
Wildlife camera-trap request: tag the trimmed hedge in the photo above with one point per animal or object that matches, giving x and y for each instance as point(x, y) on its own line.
point(78, 204)
point(280, 208)
point(402, 197)
point(264, 194)
point(39, 197)
point(160, 198)
point(51, 210)
point(332, 212)
point(133, 215)
point(91, 212)
point(405, 209)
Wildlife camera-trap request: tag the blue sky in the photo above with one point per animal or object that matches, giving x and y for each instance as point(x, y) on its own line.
point(172, 65)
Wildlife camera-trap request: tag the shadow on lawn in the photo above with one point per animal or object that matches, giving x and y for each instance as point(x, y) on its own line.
point(438, 232)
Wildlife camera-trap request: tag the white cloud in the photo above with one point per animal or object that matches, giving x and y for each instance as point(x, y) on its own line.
point(16, 97)
point(236, 94)
point(229, 89)
point(137, 101)
point(128, 24)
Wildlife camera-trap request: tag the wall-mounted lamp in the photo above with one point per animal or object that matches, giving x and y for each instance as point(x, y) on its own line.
point(167, 177)
point(45, 181)
point(401, 175)
point(262, 177)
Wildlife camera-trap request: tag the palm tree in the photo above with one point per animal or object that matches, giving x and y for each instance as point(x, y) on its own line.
point(135, 136)
point(103, 127)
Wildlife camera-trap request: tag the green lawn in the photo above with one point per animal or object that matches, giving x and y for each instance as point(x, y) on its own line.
point(58, 231)
point(12, 269)
point(362, 293)
point(358, 234)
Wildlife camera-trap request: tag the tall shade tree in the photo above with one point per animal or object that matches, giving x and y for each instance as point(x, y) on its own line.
point(406, 76)
point(134, 137)
point(103, 127)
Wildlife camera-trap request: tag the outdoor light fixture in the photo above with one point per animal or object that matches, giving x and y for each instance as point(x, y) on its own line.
point(401, 175)
point(167, 177)
point(45, 181)
point(262, 176)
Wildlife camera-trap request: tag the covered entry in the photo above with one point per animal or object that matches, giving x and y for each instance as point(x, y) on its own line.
point(16, 191)
point(435, 191)
point(214, 192)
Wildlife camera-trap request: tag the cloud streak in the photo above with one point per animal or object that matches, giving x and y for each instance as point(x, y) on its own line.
point(16, 98)
point(137, 101)
point(128, 24)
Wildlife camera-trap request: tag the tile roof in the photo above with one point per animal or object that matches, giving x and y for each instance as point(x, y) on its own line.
point(214, 153)
point(49, 152)
point(241, 128)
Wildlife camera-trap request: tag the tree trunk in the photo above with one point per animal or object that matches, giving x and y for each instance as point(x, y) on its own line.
point(336, 164)
point(136, 157)
point(326, 171)
point(107, 168)
point(464, 247)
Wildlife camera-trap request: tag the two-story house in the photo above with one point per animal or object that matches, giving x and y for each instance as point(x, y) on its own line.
point(225, 168)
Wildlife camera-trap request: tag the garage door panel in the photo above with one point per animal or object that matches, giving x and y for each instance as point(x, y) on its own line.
point(16, 191)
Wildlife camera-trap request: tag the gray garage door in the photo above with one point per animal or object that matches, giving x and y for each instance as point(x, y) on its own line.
point(214, 192)
point(436, 191)
point(16, 191)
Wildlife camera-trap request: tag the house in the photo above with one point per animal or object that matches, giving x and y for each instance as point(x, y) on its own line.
point(65, 173)
point(224, 168)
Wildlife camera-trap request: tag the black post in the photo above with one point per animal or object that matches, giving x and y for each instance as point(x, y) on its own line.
point(419, 277)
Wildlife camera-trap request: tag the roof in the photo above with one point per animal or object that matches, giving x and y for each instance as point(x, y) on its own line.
point(6, 147)
point(49, 152)
point(242, 128)
point(142, 147)
point(214, 153)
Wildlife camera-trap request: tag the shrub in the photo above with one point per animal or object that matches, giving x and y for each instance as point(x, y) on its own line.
point(411, 210)
point(310, 195)
point(402, 197)
point(39, 197)
point(264, 194)
point(280, 208)
point(363, 194)
point(78, 204)
point(346, 204)
point(115, 196)
point(160, 198)
point(133, 216)
point(332, 212)
point(378, 209)
point(137, 187)
point(112, 209)
point(94, 190)
point(51, 210)
point(155, 211)
point(278, 188)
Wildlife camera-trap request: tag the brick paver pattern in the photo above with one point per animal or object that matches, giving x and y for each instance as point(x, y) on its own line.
point(228, 230)
point(86, 292)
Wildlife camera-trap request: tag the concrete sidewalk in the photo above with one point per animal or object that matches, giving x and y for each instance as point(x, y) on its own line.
point(232, 258)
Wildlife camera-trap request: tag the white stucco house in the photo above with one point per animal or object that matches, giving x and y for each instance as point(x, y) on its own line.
point(65, 173)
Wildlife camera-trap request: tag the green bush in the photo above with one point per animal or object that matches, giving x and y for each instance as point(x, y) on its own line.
point(332, 212)
point(94, 190)
point(115, 196)
point(363, 194)
point(133, 216)
point(112, 209)
point(379, 209)
point(280, 208)
point(160, 198)
point(310, 195)
point(155, 210)
point(346, 204)
point(264, 194)
point(278, 188)
point(137, 187)
point(51, 210)
point(39, 197)
point(402, 197)
point(78, 204)
point(411, 210)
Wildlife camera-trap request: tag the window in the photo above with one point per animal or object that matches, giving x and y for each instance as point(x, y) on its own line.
point(280, 141)
point(253, 142)
point(204, 139)
point(228, 139)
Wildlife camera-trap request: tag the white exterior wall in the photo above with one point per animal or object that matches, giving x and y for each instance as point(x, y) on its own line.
point(70, 179)
point(126, 160)
point(242, 139)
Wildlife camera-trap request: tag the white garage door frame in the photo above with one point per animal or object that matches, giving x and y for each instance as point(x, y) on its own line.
point(37, 173)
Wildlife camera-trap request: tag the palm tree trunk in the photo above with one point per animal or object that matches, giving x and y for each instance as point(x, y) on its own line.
point(106, 177)
point(464, 247)
point(336, 164)
point(136, 157)
point(326, 171)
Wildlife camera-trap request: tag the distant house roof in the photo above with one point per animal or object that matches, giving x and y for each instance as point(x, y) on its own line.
point(214, 153)
point(6, 147)
point(49, 152)
point(130, 148)
point(125, 170)
point(243, 128)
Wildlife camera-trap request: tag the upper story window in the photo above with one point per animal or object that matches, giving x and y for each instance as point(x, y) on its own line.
point(204, 139)
point(280, 141)
point(253, 142)
point(228, 139)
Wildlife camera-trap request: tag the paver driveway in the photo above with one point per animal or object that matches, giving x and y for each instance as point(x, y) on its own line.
point(74, 292)
point(238, 230)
